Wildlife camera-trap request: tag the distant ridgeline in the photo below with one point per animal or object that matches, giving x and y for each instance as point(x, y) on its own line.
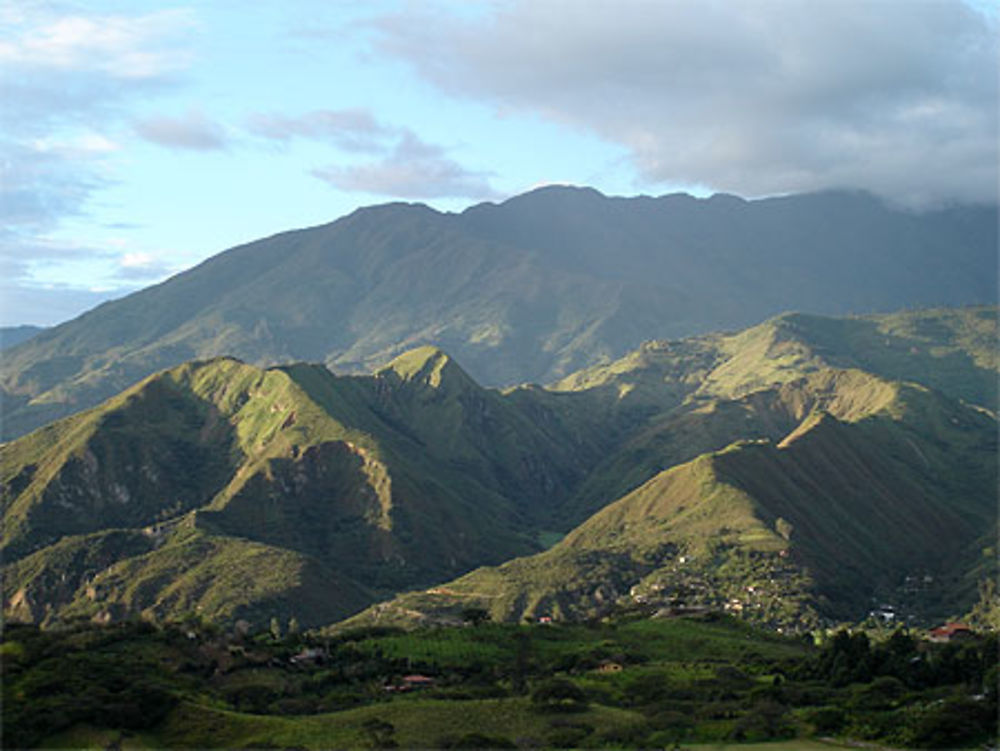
point(804, 470)
point(529, 290)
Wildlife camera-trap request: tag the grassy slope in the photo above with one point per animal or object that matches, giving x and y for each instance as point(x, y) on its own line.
point(874, 478)
point(342, 485)
point(416, 474)
point(675, 652)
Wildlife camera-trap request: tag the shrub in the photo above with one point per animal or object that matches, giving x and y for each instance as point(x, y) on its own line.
point(475, 740)
point(826, 719)
point(559, 695)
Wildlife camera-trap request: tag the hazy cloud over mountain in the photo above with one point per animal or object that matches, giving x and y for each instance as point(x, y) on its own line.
point(754, 97)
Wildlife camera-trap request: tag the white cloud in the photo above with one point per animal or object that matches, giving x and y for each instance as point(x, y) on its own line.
point(192, 131)
point(120, 47)
point(413, 169)
point(352, 129)
point(66, 82)
point(143, 267)
point(755, 97)
point(45, 181)
point(409, 167)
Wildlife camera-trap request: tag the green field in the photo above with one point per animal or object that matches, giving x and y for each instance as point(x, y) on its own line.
point(704, 682)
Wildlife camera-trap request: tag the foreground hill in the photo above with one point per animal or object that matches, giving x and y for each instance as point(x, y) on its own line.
point(528, 290)
point(242, 492)
point(804, 457)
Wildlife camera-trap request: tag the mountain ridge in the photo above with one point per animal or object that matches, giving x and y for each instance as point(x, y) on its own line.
point(531, 289)
point(364, 486)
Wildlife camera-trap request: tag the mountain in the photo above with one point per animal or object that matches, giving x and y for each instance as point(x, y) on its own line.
point(247, 493)
point(11, 335)
point(812, 528)
point(807, 453)
point(781, 480)
point(531, 289)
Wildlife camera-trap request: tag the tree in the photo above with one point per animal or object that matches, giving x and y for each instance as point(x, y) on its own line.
point(475, 616)
point(559, 695)
point(380, 733)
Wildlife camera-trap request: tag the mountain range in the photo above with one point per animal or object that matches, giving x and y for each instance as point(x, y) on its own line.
point(799, 471)
point(528, 290)
point(11, 335)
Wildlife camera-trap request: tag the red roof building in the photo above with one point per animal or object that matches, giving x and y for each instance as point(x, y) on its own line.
point(951, 632)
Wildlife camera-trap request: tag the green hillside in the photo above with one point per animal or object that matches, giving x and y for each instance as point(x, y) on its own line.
point(823, 462)
point(180, 492)
point(811, 530)
point(532, 289)
point(839, 486)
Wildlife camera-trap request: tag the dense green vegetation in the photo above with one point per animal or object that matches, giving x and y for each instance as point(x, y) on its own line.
point(632, 682)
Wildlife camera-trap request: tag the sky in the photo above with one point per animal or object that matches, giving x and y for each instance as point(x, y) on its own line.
point(139, 138)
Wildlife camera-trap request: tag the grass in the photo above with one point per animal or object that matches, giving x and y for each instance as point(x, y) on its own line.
point(799, 744)
point(418, 723)
point(86, 737)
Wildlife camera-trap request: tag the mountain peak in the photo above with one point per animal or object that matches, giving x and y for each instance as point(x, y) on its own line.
point(428, 364)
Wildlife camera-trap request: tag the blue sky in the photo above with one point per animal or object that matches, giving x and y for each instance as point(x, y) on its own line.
point(138, 138)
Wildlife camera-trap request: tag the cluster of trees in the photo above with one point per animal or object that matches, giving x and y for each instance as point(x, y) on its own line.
point(84, 675)
point(907, 692)
point(853, 658)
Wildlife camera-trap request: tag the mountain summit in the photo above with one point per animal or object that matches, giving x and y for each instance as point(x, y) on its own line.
point(530, 289)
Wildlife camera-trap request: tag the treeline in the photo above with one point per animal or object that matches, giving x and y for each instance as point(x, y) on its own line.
point(905, 691)
point(107, 677)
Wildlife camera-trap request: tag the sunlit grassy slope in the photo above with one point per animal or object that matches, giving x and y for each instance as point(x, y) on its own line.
point(822, 459)
point(842, 482)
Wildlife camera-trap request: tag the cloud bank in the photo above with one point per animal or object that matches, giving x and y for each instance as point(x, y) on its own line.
point(756, 97)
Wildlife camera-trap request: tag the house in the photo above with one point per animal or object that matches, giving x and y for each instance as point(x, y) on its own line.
point(885, 613)
point(410, 683)
point(418, 681)
point(546, 619)
point(950, 632)
point(309, 656)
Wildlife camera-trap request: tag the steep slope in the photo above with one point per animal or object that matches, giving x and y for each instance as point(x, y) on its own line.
point(340, 487)
point(531, 289)
point(789, 534)
point(673, 400)
point(724, 449)
point(874, 479)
